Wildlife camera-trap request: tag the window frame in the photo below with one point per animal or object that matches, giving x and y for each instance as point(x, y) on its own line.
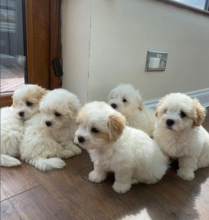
point(43, 44)
point(190, 8)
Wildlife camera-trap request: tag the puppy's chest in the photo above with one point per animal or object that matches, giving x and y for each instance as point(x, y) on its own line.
point(175, 146)
point(109, 163)
point(61, 137)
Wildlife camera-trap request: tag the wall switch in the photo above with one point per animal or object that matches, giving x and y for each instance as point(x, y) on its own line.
point(156, 60)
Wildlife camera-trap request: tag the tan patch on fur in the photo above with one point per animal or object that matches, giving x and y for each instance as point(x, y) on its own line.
point(140, 107)
point(34, 94)
point(199, 113)
point(82, 114)
point(158, 106)
point(116, 124)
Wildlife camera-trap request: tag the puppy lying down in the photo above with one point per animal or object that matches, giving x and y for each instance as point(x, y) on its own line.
point(180, 134)
point(49, 135)
point(26, 100)
point(130, 153)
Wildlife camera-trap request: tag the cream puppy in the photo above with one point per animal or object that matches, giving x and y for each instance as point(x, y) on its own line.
point(130, 153)
point(180, 135)
point(128, 101)
point(26, 100)
point(49, 135)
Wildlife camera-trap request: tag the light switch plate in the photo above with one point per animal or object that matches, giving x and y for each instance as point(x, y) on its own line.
point(156, 54)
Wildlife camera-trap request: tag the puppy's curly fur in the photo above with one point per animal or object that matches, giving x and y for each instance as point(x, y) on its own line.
point(26, 100)
point(128, 152)
point(49, 134)
point(180, 135)
point(128, 101)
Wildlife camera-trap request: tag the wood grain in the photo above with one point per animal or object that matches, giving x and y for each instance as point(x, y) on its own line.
point(6, 100)
point(35, 204)
point(16, 180)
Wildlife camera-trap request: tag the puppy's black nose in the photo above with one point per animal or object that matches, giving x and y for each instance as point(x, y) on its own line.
point(21, 114)
point(170, 122)
point(114, 105)
point(81, 139)
point(48, 123)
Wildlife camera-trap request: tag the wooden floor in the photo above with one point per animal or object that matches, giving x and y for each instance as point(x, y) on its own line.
point(11, 78)
point(27, 193)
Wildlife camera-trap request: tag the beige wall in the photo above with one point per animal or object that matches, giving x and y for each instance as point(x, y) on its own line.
point(75, 45)
point(121, 32)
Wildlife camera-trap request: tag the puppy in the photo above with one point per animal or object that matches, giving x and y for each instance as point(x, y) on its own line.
point(130, 153)
point(49, 134)
point(128, 101)
point(180, 135)
point(26, 100)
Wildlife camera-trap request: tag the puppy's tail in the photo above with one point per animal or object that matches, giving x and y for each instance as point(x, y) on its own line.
point(8, 161)
point(44, 164)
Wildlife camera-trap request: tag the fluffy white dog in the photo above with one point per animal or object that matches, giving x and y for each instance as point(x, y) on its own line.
point(26, 100)
point(49, 134)
point(180, 135)
point(130, 153)
point(128, 101)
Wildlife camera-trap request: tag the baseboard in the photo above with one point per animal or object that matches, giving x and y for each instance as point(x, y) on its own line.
point(202, 95)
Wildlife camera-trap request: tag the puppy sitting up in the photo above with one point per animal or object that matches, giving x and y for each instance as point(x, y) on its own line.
point(130, 153)
point(128, 101)
point(180, 135)
point(49, 135)
point(26, 100)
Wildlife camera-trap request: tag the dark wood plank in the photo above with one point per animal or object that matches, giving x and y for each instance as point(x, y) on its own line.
point(34, 204)
point(8, 212)
point(55, 41)
point(16, 180)
point(6, 100)
point(37, 27)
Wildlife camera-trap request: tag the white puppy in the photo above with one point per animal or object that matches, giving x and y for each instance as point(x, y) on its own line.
point(26, 100)
point(130, 153)
point(180, 135)
point(49, 135)
point(128, 101)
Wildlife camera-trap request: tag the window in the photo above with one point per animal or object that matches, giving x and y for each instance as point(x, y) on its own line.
point(200, 4)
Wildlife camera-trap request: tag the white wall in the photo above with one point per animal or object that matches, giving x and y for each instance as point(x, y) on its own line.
point(75, 46)
point(121, 32)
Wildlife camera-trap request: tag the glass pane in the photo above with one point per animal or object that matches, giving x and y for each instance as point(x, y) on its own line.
point(194, 3)
point(12, 50)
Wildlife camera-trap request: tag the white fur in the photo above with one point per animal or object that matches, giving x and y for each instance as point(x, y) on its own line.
point(143, 215)
point(133, 156)
point(12, 128)
point(137, 114)
point(187, 142)
point(43, 146)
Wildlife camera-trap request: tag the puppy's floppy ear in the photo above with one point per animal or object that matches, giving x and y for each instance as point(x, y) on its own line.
point(199, 112)
point(158, 106)
point(140, 107)
point(40, 92)
point(73, 110)
point(116, 123)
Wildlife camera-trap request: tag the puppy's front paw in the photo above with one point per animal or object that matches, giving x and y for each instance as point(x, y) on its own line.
point(121, 187)
point(66, 153)
point(186, 174)
point(76, 150)
point(96, 177)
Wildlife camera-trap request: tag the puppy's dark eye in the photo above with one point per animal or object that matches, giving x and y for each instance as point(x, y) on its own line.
point(94, 130)
point(57, 114)
point(182, 114)
point(29, 103)
point(165, 110)
point(124, 100)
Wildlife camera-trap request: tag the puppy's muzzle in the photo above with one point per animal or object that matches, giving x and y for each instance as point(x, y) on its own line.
point(170, 123)
point(21, 114)
point(81, 139)
point(114, 105)
point(48, 123)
